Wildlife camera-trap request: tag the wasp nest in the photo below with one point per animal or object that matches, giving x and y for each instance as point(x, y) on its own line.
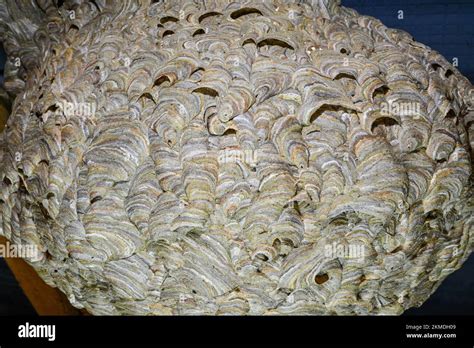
point(233, 157)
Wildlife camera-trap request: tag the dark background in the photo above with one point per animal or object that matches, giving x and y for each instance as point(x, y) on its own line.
point(446, 26)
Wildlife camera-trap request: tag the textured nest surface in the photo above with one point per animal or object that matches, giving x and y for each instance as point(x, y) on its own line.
point(221, 157)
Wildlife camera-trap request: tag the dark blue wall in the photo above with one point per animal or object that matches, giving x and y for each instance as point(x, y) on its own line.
point(12, 299)
point(447, 26)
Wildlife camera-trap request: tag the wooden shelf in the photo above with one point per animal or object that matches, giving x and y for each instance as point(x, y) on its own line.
point(44, 299)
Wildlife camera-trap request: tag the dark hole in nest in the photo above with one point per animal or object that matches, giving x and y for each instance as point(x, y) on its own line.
point(162, 79)
point(245, 12)
point(230, 131)
point(321, 278)
point(276, 243)
point(96, 199)
point(275, 42)
point(52, 108)
point(44, 211)
point(199, 32)
point(326, 108)
point(167, 33)
point(207, 91)
point(448, 73)
point(147, 96)
point(383, 121)
point(287, 241)
point(451, 114)
point(432, 215)
point(73, 28)
point(380, 91)
point(435, 66)
point(209, 14)
point(344, 76)
point(168, 19)
point(261, 257)
point(249, 41)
